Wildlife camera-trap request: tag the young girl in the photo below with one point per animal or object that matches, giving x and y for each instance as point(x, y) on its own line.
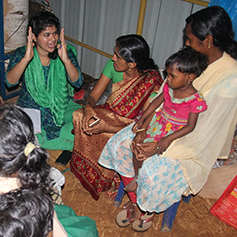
point(182, 104)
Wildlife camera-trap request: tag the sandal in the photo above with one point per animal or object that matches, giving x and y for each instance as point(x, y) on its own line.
point(144, 223)
point(124, 217)
point(127, 205)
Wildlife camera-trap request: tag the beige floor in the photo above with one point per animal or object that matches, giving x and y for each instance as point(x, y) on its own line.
point(193, 219)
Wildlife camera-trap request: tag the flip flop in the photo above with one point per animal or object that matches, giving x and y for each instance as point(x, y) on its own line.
point(127, 205)
point(144, 223)
point(124, 217)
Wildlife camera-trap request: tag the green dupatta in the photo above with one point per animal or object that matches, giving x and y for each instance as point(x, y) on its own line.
point(55, 93)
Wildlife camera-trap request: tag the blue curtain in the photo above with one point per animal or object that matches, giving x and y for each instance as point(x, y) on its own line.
point(231, 8)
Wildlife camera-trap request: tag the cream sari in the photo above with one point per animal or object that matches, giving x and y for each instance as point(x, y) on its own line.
point(211, 139)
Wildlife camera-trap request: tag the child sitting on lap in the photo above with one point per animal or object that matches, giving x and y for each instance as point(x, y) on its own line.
point(178, 115)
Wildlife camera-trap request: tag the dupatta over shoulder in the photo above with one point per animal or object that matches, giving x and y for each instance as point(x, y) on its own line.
point(128, 96)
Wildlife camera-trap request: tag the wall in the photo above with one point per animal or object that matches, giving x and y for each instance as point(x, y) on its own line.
point(99, 22)
point(15, 15)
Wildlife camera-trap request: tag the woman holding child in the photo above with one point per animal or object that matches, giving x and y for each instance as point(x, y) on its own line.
point(185, 165)
point(135, 78)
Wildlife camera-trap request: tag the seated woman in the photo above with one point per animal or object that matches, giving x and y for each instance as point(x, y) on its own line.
point(185, 166)
point(135, 78)
point(48, 71)
point(23, 165)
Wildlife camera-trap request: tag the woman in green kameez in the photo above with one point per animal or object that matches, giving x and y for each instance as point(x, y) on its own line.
point(49, 72)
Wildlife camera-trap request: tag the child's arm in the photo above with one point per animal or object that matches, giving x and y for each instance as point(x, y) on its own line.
point(165, 142)
point(148, 112)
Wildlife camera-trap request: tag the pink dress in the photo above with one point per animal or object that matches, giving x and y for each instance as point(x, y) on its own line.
point(174, 114)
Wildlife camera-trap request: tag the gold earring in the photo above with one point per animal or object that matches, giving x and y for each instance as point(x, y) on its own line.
point(209, 46)
point(129, 69)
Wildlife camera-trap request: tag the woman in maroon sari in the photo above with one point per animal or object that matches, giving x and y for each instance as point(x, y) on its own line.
point(135, 78)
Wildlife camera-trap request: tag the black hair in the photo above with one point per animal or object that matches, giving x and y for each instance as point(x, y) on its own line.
point(16, 132)
point(188, 61)
point(216, 22)
point(25, 213)
point(134, 48)
point(40, 21)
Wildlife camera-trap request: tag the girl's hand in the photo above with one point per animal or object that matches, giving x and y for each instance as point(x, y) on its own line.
point(29, 47)
point(163, 144)
point(139, 137)
point(62, 48)
point(146, 150)
point(137, 126)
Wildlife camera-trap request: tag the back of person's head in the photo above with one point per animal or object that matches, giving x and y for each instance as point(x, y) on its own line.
point(134, 48)
point(18, 155)
point(216, 22)
point(188, 60)
point(25, 213)
point(41, 20)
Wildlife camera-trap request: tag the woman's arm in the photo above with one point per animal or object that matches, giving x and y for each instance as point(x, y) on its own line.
point(98, 90)
point(149, 112)
point(14, 75)
point(91, 101)
point(148, 149)
point(72, 71)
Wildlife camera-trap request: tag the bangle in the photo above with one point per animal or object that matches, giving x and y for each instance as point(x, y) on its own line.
point(84, 105)
point(141, 129)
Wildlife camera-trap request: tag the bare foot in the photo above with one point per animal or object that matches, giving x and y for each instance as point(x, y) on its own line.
point(132, 186)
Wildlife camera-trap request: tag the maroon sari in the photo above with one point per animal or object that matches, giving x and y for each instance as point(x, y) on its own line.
point(121, 108)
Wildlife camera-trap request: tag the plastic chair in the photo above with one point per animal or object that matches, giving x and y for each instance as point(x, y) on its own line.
point(169, 214)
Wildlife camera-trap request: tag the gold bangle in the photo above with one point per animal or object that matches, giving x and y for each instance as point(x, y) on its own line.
point(141, 129)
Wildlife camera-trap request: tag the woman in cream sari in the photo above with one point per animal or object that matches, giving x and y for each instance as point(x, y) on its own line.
point(187, 163)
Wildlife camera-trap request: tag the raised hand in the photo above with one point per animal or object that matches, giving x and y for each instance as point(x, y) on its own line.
point(30, 44)
point(62, 48)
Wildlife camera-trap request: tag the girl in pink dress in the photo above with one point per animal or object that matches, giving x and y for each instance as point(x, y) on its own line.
point(178, 115)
